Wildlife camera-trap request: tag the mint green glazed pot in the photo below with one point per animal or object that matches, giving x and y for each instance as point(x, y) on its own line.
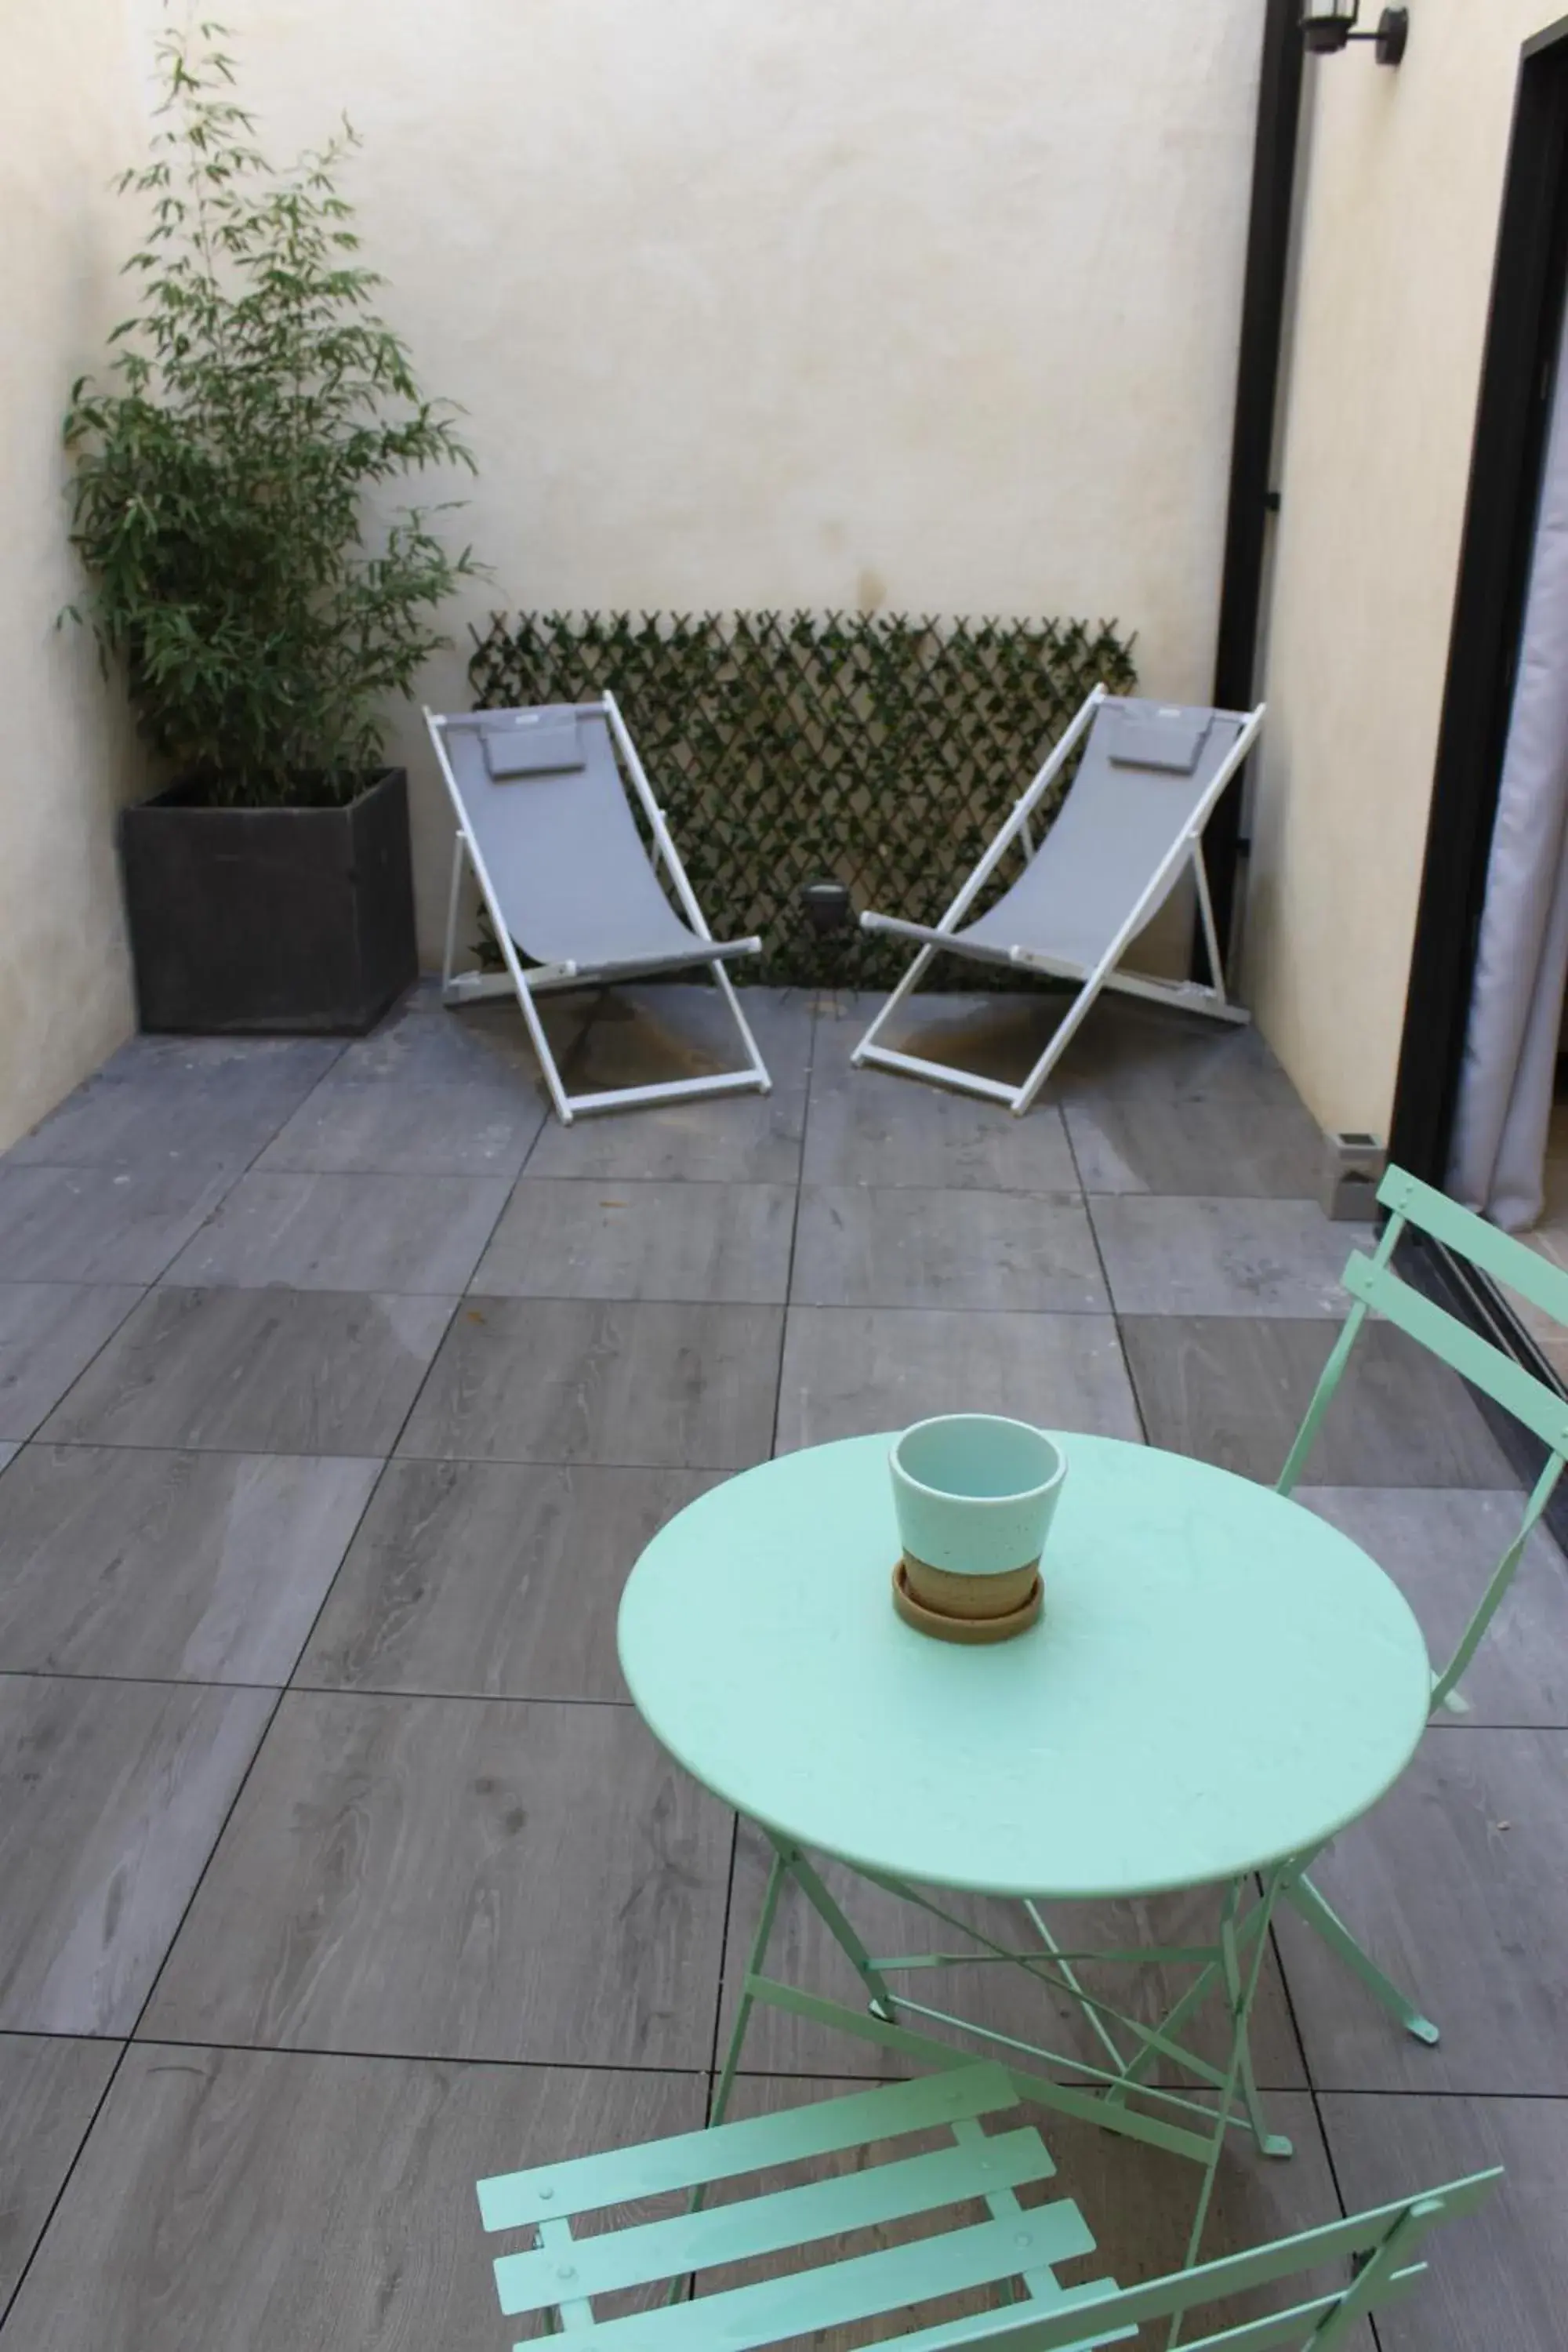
point(975, 1493)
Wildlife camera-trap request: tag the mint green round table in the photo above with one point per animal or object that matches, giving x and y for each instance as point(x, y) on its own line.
point(1219, 1679)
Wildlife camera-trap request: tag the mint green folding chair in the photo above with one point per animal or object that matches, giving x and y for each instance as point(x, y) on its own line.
point(1376, 1289)
point(971, 2238)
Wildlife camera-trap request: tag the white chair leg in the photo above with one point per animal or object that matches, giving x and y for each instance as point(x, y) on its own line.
point(921, 963)
point(454, 895)
point(1061, 1038)
point(727, 987)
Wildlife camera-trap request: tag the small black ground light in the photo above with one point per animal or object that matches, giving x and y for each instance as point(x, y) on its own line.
point(827, 907)
point(831, 914)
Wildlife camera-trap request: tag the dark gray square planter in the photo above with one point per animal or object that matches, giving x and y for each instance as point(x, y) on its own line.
point(284, 921)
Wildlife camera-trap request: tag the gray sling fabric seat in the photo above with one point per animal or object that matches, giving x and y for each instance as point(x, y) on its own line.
point(542, 817)
point(1133, 820)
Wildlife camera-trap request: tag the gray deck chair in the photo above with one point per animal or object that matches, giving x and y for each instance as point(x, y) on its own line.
point(1133, 819)
point(544, 821)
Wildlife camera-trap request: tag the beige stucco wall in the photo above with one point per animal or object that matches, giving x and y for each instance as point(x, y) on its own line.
point(1404, 189)
point(848, 302)
point(70, 116)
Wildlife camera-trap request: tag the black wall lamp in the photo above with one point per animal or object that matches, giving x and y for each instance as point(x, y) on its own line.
point(1330, 24)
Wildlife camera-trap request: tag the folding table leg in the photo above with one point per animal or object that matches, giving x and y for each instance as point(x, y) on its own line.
point(1241, 1991)
point(845, 1937)
point(1070, 1979)
point(790, 1862)
point(773, 1889)
point(1240, 2006)
point(1304, 1897)
point(1204, 1987)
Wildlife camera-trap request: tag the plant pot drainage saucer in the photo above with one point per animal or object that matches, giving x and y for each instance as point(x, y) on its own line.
point(968, 1629)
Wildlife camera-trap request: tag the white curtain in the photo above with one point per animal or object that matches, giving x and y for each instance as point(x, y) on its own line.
point(1499, 1151)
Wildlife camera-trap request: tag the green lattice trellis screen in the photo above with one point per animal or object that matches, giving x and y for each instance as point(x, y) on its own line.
point(876, 750)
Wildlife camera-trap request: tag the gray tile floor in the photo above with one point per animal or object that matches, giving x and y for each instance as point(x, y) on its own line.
point(339, 1387)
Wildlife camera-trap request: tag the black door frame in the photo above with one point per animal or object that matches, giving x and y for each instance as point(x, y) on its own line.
point(1523, 328)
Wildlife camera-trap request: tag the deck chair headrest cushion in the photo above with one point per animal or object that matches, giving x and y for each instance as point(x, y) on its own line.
point(1171, 740)
point(533, 744)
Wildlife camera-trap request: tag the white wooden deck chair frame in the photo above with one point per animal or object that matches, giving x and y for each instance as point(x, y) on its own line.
point(1104, 972)
point(529, 981)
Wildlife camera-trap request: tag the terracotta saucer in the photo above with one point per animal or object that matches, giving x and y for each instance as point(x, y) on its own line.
point(968, 1629)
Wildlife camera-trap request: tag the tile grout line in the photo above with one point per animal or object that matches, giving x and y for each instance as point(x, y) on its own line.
point(315, 2050)
point(697, 2069)
point(147, 1288)
point(594, 1298)
point(572, 1052)
point(787, 1304)
point(733, 1860)
point(568, 1064)
point(1322, 2122)
point(160, 1280)
point(133, 1167)
point(144, 1293)
point(200, 1880)
point(616, 1299)
point(586, 1462)
point(9, 2303)
point(441, 1011)
point(1105, 1279)
point(1291, 2012)
point(332, 1585)
point(510, 1699)
point(696, 2073)
point(311, 1690)
point(297, 1453)
point(712, 2069)
point(172, 1279)
point(240, 1173)
point(1060, 1192)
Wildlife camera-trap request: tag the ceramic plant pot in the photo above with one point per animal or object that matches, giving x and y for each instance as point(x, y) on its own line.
point(974, 1494)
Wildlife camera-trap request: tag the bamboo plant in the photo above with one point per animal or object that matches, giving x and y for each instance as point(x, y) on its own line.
point(228, 493)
